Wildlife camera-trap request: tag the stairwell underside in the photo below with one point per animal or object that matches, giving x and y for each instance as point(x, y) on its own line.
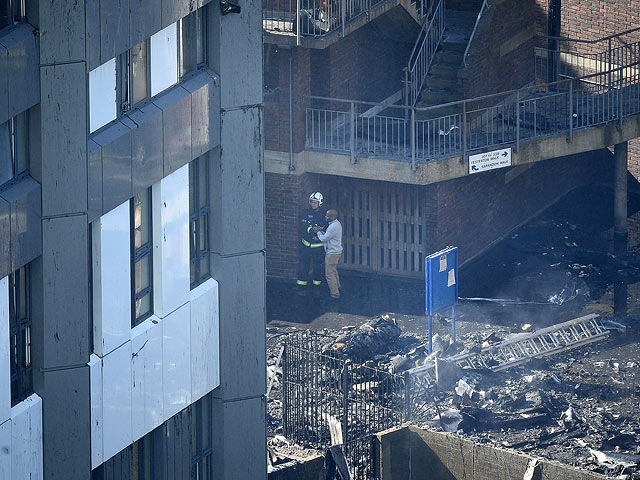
point(439, 170)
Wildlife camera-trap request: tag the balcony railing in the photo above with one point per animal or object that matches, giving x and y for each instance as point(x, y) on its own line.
point(317, 18)
point(505, 119)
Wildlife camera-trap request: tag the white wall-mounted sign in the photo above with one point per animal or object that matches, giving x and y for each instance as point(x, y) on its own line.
point(490, 160)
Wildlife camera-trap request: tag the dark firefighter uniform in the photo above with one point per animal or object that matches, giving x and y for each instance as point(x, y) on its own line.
point(311, 249)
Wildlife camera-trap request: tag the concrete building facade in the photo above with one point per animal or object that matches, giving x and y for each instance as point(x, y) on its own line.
point(132, 313)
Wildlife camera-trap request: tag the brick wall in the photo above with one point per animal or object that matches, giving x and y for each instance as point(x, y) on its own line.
point(501, 53)
point(475, 211)
point(286, 197)
point(365, 65)
point(593, 20)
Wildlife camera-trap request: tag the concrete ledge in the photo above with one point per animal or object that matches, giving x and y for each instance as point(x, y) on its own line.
point(434, 171)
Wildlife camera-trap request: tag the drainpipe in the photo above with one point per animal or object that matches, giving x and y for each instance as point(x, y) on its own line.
point(620, 224)
point(292, 167)
point(620, 197)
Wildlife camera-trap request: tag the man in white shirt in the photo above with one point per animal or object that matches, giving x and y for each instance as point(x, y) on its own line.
point(332, 240)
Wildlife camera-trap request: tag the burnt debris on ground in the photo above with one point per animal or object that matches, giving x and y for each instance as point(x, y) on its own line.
point(579, 407)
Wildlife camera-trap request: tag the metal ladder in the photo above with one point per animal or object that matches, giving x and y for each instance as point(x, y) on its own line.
point(547, 341)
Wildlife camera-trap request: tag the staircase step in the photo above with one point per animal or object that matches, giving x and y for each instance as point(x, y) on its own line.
point(437, 82)
point(444, 70)
point(449, 56)
point(437, 97)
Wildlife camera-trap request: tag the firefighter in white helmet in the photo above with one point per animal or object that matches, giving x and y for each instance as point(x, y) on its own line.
point(311, 249)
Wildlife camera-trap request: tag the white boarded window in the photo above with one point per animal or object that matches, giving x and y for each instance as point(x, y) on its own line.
point(102, 95)
point(164, 59)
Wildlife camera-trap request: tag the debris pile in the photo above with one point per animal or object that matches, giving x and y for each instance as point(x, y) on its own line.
point(578, 407)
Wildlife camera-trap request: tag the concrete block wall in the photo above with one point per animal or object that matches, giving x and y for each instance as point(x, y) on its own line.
point(426, 454)
point(501, 54)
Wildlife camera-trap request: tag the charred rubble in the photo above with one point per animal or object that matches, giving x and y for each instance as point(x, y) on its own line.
point(578, 407)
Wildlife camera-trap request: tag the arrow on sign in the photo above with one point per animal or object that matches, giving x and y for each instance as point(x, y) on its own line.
point(504, 154)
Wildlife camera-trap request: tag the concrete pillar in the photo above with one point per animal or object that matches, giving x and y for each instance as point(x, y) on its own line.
point(620, 230)
point(237, 246)
point(60, 292)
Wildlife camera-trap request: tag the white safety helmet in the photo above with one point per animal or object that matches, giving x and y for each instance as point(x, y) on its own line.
point(316, 197)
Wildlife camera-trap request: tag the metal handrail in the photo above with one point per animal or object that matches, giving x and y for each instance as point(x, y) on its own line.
point(489, 121)
point(473, 33)
point(577, 40)
point(419, 63)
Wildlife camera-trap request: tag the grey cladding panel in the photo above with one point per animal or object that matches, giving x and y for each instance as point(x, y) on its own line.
point(242, 320)
point(4, 90)
point(238, 179)
point(174, 10)
point(5, 238)
point(239, 427)
point(176, 128)
point(24, 71)
point(146, 18)
point(66, 422)
point(116, 165)
point(205, 113)
point(64, 138)
point(114, 28)
point(24, 198)
point(146, 149)
point(93, 33)
point(62, 30)
point(65, 292)
point(241, 56)
point(94, 181)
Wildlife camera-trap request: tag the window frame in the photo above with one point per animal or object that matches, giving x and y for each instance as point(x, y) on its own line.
point(12, 126)
point(21, 370)
point(12, 18)
point(199, 27)
point(200, 428)
point(197, 216)
point(124, 79)
point(137, 255)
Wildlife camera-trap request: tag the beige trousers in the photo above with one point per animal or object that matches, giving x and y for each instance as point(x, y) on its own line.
point(331, 273)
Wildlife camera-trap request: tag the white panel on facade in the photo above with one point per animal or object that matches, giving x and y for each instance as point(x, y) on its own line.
point(205, 335)
point(146, 381)
point(176, 379)
point(111, 280)
point(5, 449)
point(95, 379)
point(5, 373)
point(171, 242)
point(116, 400)
point(164, 59)
point(35, 439)
point(102, 95)
point(20, 441)
point(26, 439)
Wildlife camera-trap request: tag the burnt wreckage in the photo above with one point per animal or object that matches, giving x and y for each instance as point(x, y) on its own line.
point(530, 391)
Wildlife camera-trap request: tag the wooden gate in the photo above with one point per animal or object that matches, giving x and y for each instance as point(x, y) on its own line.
point(384, 226)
